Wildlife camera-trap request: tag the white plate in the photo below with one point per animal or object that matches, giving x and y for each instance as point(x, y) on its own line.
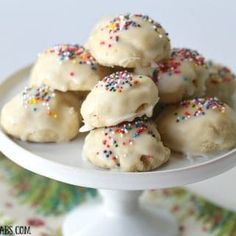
point(63, 161)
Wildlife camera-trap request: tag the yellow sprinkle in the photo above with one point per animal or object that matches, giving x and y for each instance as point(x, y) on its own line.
point(32, 101)
point(112, 26)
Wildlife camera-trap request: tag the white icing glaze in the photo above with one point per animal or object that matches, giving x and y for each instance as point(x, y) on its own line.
point(67, 67)
point(198, 127)
point(120, 97)
point(182, 76)
point(27, 118)
point(128, 41)
point(134, 146)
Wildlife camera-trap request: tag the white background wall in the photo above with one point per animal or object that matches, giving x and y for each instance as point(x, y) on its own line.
point(28, 26)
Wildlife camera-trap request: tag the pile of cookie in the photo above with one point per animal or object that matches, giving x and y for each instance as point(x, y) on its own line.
point(138, 97)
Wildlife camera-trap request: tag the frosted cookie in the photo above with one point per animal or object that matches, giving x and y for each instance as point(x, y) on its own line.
point(198, 127)
point(42, 115)
point(119, 97)
point(221, 83)
point(66, 67)
point(182, 76)
point(134, 146)
point(129, 41)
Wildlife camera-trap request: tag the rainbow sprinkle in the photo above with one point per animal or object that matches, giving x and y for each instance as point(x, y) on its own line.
point(173, 65)
point(121, 23)
point(126, 22)
point(122, 135)
point(185, 54)
point(119, 81)
point(198, 107)
point(35, 98)
point(156, 26)
point(221, 74)
point(74, 53)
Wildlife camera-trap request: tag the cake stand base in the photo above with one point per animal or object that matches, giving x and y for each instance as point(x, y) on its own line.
point(119, 213)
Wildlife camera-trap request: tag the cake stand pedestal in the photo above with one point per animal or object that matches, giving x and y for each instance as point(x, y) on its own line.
point(120, 211)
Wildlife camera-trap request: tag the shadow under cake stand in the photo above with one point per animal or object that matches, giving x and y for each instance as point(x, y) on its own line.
point(120, 211)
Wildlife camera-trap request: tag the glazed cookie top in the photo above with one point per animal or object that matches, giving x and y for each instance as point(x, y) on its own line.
point(125, 134)
point(129, 146)
point(118, 82)
point(197, 107)
point(198, 126)
point(39, 98)
point(219, 74)
point(119, 97)
point(74, 53)
point(186, 54)
point(177, 58)
point(47, 101)
point(129, 40)
point(41, 114)
point(67, 67)
point(180, 77)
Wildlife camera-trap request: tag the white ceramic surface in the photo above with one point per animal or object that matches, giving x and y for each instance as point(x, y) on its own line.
point(121, 213)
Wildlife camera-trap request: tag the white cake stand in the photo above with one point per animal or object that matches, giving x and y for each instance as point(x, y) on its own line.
point(122, 212)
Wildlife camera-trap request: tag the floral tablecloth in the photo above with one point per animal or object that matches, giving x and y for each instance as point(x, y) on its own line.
point(30, 200)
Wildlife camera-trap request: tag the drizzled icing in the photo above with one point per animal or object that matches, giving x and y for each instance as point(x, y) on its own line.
point(39, 98)
point(219, 74)
point(126, 22)
point(119, 81)
point(197, 107)
point(74, 53)
point(122, 135)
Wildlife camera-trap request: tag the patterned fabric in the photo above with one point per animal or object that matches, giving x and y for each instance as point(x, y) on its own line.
point(30, 199)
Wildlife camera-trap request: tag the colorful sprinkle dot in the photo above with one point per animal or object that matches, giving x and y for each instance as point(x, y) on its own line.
point(123, 135)
point(156, 26)
point(119, 81)
point(120, 23)
point(197, 107)
point(185, 54)
point(74, 53)
point(173, 65)
point(35, 98)
point(126, 22)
